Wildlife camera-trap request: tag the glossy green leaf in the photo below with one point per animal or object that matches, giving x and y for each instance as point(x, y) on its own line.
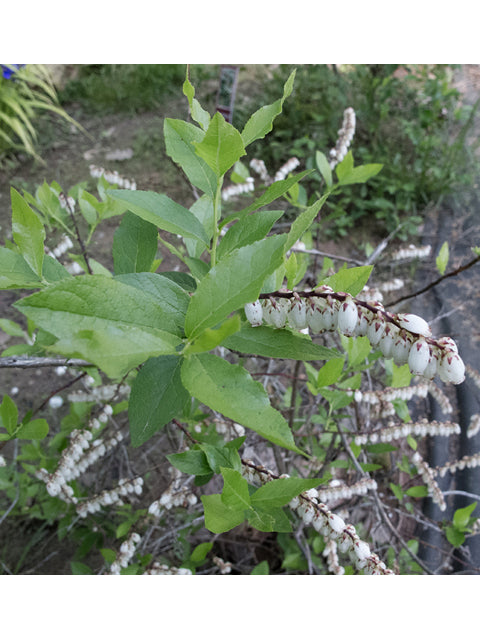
point(442, 258)
point(418, 491)
point(221, 146)
point(235, 489)
point(197, 112)
point(461, 517)
point(211, 338)
point(230, 390)
point(15, 272)
point(103, 320)
point(218, 516)
point(203, 210)
point(9, 414)
point(261, 122)
point(221, 456)
point(33, 430)
point(278, 493)
point(157, 396)
point(135, 244)
point(161, 211)
point(261, 569)
point(277, 343)
point(269, 520)
point(247, 231)
point(330, 372)
point(28, 232)
point(180, 137)
point(194, 462)
point(304, 221)
point(349, 280)
point(324, 168)
point(234, 281)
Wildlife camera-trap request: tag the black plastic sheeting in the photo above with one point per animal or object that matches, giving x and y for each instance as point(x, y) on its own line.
point(453, 309)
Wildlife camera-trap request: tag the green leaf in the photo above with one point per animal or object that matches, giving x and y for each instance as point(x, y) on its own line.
point(12, 328)
point(193, 462)
point(442, 258)
point(304, 221)
point(80, 569)
point(229, 389)
point(15, 272)
point(221, 146)
point(261, 122)
point(454, 536)
point(196, 110)
point(419, 491)
point(135, 244)
point(180, 138)
point(324, 168)
point(232, 282)
point(200, 552)
point(277, 343)
point(221, 456)
point(203, 210)
point(157, 397)
point(358, 350)
point(274, 191)
point(33, 430)
point(211, 338)
point(269, 520)
point(461, 517)
point(349, 280)
point(348, 174)
point(109, 323)
point(337, 399)
point(28, 232)
point(218, 516)
point(397, 491)
point(330, 372)
point(235, 489)
point(9, 414)
point(248, 230)
point(278, 493)
point(401, 376)
point(161, 211)
point(261, 569)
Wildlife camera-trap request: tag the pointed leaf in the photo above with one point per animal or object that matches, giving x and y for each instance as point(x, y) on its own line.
point(135, 244)
point(235, 489)
point(28, 232)
point(157, 396)
point(278, 493)
point(234, 281)
point(231, 390)
point(218, 516)
point(222, 145)
point(248, 230)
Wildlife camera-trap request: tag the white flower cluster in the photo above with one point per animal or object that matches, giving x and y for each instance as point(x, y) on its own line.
point(345, 137)
point(158, 569)
point(74, 268)
point(391, 285)
point(467, 462)
point(395, 431)
point(63, 246)
point(440, 397)
point(178, 494)
point(428, 476)
point(331, 555)
point(404, 337)
point(328, 524)
point(339, 491)
point(98, 394)
point(259, 167)
point(473, 375)
point(66, 202)
point(474, 426)
point(56, 483)
point(389, 393)
point(3, 462)
point(126, 553)
point(113, 177)
point(236, 189)
point(411, 252)
point(110, 497)
point(370, 294)
point(233, 430)
point(285, 169)
point(225, 567)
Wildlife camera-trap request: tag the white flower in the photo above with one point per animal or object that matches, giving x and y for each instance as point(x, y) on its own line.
point(347, 317)
point(276, 313)
point(451, 368)
point(401, 349)
point(361, 550)
point(414, 323)
point(376, 329)
point(336, 524)
point(254, 313)
point(419, 357)
point(297, 314)
point(314, 315)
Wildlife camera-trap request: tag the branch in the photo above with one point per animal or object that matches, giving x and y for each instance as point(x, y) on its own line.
point(26, 362)
point(437, 281)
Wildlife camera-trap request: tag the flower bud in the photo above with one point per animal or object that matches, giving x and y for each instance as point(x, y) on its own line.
point(254, 313)
point(451, 368)
point(347, 317)
point(276, 313)
point(314, 315)
point(414, 324)
point(376, 329)
point(297, 317)
point(419, 357)
point(401, 349)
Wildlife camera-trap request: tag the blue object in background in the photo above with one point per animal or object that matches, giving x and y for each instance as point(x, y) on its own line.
point(9, 70)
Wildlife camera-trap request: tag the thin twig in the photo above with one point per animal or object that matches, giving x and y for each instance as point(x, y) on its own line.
point(27, 362)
